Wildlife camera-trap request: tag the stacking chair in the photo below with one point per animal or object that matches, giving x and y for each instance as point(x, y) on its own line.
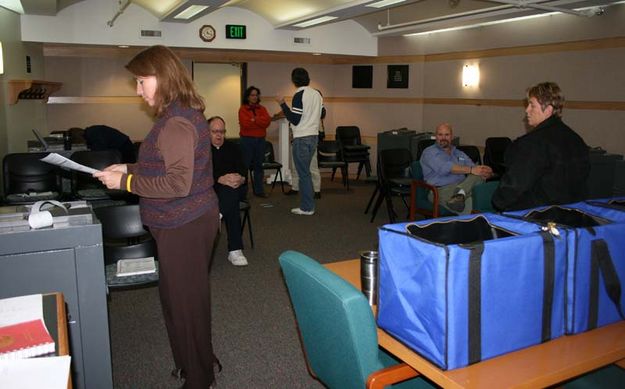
point(482, 196)
point(353, 149)
point(84, 186)
point(330, 155)
point(393, 180)
point(338, 330)
point(270, 163)
point(124, 237)
point(472, 152)
point(494, 151)
point(244, 208)
point(422, 145)
point(26, 179)
point(419, 191)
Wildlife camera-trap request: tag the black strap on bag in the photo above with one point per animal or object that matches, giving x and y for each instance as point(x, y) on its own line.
point(475, 303)
point(549, 259)
point(600, 259)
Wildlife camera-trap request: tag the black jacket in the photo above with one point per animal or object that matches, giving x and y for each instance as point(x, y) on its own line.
point(548, 165)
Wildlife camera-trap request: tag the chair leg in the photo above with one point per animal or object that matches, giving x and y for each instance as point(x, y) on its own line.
point(360, 165)
point(345, 177)
point(247, 220)
point(378, 202)
point(275, 178)
point(281, 180)
point(368, 168)
point(389, 207)
point(375, 192)
point(333, 173)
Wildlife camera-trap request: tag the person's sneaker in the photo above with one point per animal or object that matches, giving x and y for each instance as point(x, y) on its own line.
point(317, 195)
point(456, 203)
point(237, 258)
point(291, 192)
point(299, 211)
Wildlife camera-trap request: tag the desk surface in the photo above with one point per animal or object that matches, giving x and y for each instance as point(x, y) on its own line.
point(537, 366)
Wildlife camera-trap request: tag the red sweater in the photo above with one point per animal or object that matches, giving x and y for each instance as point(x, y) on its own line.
point(253, 120)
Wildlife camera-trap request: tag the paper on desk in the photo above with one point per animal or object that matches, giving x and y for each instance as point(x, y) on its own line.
point(59, 160)
point(20, 309)
point(35, 373)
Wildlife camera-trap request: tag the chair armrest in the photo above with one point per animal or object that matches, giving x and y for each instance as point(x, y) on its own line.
point(390, 375)
point(413, 197)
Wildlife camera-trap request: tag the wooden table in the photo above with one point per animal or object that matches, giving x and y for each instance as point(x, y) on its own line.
point(538, 366)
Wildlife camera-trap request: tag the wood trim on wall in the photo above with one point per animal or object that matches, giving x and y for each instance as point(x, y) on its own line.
point(589, 105)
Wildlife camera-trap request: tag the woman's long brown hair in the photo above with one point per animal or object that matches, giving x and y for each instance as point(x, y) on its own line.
point(174, 82)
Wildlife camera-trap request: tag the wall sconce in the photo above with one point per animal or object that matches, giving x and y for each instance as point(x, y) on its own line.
point(470, 75)
point(1, 60)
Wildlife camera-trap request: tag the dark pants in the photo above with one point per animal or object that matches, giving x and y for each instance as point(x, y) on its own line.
point(253, 157)
point(229, 207)
point(184, 255)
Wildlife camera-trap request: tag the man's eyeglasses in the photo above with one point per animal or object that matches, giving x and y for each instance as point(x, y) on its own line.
point(217, 132)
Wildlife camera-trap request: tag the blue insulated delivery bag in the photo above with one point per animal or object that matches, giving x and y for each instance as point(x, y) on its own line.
point(467, 288)
point(596, 261)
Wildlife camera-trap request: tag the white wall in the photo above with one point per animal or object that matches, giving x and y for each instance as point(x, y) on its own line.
point(85, 23)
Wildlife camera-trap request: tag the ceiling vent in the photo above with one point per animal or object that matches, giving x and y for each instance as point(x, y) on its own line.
point(151, 33)
point(301, 41)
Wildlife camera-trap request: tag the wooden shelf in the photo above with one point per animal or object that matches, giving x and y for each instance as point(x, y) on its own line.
point(31, 90)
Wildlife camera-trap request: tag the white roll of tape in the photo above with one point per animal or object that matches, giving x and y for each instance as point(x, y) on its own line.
point(40, 219)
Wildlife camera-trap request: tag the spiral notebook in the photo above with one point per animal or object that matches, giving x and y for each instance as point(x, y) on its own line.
point(25, 340)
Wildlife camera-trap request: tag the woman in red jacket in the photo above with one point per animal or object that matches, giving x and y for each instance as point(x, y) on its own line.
point(253, 122)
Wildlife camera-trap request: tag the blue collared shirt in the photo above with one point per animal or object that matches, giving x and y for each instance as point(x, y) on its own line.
point(436, 165)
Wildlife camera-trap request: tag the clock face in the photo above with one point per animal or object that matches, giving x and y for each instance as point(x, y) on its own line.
point(207, 33)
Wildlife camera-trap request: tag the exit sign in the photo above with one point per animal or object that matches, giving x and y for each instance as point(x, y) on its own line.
point(235, 31)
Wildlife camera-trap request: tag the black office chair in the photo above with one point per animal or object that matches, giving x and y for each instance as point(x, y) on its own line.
point(329, 155)
point(394, 180)
point(472, 152)
point(494, 151)
point(26, 179)
point(124, 237)
point(84, 186)
point(353, 149)
point(270, 163)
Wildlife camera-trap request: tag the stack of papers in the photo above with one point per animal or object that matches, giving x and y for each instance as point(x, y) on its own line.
point(133, 267)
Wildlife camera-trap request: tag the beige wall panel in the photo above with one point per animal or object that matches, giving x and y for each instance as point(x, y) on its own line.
point(220, 86)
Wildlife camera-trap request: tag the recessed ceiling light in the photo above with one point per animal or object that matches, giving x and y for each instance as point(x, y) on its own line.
point(312, 22)
point(384, 3)
point(316, 53)
point(191, 11)
point(123, 46)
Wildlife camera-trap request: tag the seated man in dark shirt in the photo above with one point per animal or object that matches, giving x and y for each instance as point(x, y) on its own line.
point(548, 165)
point(229, 174)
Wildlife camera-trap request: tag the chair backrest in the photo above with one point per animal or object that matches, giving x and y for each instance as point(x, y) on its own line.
point(494, 151)
point(124, 234)
point(394, 163)
point(335, 321)
point(482, 195)
point(348, 135)
point(24, 172)
point(329, 151)
point(94, 159)
point(472, 152)
point(422, 145)
point(269, 155)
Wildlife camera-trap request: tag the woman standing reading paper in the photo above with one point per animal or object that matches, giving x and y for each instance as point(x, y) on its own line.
point(174, 178)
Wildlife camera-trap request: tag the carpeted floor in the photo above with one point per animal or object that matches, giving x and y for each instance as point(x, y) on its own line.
point(254, 330)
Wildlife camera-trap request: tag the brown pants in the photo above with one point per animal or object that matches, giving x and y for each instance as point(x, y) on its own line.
point(185, 254)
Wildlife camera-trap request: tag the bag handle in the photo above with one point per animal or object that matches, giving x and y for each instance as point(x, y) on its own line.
point(475, 302)
point(549, 264)
point(600, 259)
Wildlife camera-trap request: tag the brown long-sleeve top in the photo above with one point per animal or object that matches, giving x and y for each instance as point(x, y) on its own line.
point(176, 143)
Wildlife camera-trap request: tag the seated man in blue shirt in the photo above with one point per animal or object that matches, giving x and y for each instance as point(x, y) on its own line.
point(229, 173)
point(452, 171)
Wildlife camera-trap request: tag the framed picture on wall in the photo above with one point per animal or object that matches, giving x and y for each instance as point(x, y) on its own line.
point(362, 76)
point(397, 76)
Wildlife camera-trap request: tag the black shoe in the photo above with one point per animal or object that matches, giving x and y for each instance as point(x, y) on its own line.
point(217, 368)
point(261, 195)
point(317, 195)
point(291, 192)
point(178, 374)
point(456, 203)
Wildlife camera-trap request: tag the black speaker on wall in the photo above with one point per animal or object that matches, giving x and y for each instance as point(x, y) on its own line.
point(362, 76)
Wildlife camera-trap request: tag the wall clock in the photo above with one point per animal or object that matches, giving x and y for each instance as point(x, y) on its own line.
point(207, 33)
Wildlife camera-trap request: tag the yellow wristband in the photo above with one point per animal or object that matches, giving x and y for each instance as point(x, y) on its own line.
point(128, 179)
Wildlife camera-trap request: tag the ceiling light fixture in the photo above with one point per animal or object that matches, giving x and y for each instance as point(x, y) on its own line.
point(384, 3)
point(190, 11)
point(1, 60)
point(313, 22)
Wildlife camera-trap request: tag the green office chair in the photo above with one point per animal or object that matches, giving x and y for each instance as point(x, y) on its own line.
point(419, 202)
point(338, 331)
point(482, 195)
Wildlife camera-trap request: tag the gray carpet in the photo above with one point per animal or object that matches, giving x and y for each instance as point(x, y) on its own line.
point(254, 330)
